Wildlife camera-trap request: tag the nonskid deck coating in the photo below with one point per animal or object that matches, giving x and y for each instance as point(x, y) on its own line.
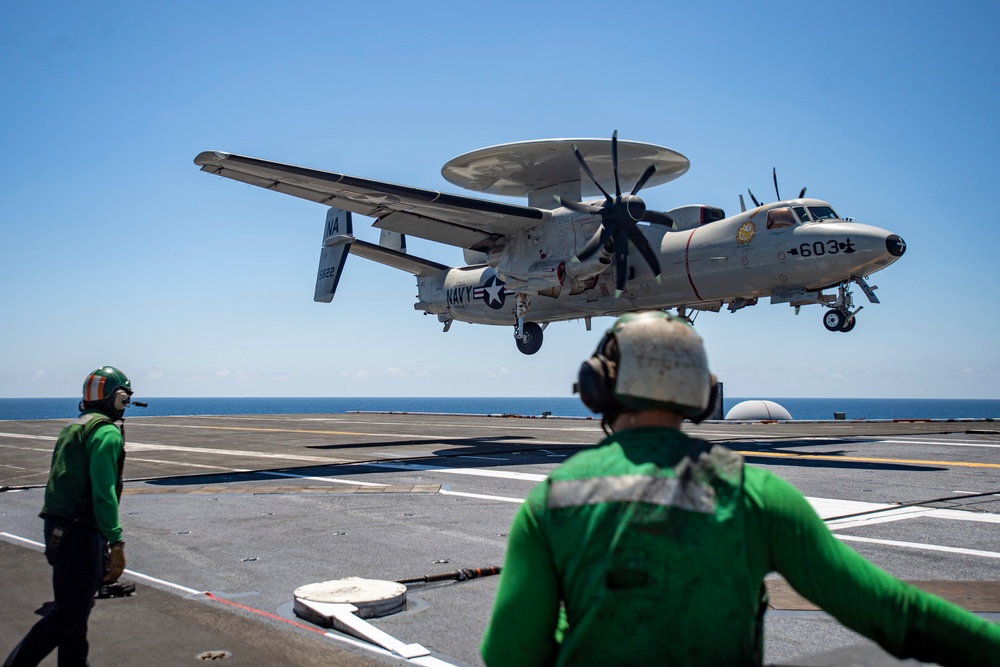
point(251, 507)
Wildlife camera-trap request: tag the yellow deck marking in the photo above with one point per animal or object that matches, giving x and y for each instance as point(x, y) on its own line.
point(869, 459)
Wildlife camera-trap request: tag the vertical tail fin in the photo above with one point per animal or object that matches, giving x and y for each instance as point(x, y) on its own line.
point(393, 241)
point(337, 237)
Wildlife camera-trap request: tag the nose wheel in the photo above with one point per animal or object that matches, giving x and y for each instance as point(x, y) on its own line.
point(840, 317)
point(839, 320)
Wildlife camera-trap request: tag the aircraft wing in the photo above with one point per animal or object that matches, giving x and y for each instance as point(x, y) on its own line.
point(466, 222)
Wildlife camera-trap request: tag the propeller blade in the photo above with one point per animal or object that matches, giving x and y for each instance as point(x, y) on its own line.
point(752, 198)
point(641, 243)
point(774, 174)
point(650, 170)
point(599, 238)
point(586, 170)
point(578, 206)
point(614, 163)
point(621, 259)
point(658, 218)
point(743, 206)
point(802, 193)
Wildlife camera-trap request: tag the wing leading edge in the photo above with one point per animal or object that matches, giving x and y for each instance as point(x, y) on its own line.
point(465, 222)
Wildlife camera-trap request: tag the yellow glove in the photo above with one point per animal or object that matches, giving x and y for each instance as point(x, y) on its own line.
point(116, 563)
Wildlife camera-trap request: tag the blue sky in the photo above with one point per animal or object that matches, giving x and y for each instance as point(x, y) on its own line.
point(117, 250)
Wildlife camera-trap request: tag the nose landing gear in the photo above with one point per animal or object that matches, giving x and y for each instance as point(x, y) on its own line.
point(840, 317)
point(839, 320)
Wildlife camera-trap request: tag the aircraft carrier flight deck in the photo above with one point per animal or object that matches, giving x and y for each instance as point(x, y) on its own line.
point(226, 516)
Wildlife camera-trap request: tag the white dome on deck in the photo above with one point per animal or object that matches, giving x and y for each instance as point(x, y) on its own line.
point(756, 409)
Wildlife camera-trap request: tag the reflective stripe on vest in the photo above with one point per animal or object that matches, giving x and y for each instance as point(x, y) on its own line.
point(665, 491)
point(85, 419)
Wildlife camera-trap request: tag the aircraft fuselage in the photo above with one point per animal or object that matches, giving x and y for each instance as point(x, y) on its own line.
point(762, 252)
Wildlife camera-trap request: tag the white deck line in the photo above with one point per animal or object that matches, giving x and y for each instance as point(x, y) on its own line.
point(424, 661)
point(917, 545)
point(944, 443)
point(473, 472)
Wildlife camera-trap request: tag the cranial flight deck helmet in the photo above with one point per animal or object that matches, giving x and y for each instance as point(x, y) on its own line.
point(107, 386)
point(645, 361)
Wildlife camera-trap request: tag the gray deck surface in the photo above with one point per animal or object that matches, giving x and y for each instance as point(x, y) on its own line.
point(226, 516)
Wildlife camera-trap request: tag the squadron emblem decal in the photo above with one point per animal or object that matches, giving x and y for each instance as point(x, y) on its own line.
point(745, 233)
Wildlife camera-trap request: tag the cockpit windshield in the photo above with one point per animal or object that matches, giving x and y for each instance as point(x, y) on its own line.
point(780, 217)
point(823, 213)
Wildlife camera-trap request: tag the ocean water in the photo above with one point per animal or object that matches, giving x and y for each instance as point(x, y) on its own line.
point(799, 408)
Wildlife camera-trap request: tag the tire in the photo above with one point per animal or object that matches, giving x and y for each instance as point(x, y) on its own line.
point(848, 324)
point(834, 320)
point(532, 341)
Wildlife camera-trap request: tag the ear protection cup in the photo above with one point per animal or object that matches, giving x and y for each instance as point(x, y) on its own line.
point(592, 383)
point(119, 400)
point(596, 378)
point(713, 399)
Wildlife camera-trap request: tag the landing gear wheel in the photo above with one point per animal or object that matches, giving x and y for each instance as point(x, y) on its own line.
point(834, 320)
point(532, 341)
point(849, 324)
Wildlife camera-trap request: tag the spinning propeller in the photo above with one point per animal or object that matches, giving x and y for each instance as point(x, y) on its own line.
point(619, 215)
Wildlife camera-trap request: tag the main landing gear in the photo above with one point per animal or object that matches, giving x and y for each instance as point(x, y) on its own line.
point(527, 335)
point(530, 339)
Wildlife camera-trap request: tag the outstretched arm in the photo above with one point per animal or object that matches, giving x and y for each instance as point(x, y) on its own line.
point(904, 620)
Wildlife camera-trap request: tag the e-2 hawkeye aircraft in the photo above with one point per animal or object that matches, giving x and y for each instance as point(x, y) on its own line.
point(562, 257)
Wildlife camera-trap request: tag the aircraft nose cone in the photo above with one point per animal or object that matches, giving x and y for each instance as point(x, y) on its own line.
point(895, 245)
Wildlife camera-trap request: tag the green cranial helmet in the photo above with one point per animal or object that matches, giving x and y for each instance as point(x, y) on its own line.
point(102, 384)
point(661, 364)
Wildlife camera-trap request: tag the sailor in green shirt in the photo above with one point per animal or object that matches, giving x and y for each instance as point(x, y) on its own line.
point(81, 520)
point(651, 549)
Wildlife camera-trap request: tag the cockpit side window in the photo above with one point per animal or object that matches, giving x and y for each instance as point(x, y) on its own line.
point(780, 217)
point(801, 212)
point(823, 213)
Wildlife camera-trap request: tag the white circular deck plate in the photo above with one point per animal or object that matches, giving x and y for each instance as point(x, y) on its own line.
point(372, 597)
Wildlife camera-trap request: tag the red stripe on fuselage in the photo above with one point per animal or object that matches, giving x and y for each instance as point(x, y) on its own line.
point(687, 264)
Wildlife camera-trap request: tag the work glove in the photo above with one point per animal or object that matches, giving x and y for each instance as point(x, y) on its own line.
point(116, 563)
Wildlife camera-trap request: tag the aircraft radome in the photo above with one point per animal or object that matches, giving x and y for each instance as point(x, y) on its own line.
point(562, 257)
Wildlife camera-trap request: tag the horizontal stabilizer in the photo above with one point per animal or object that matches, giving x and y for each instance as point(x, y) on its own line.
point(396, 259)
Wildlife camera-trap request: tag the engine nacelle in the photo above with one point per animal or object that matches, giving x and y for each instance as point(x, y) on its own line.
point(543, 275)
point(695, 215)
point(544, 278)
point(590, 267)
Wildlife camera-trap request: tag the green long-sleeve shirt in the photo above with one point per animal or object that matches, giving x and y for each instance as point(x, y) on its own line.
point(86, 474)
point(597, 521)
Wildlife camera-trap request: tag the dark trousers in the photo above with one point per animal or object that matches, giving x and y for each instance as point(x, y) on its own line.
point(77, 571)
